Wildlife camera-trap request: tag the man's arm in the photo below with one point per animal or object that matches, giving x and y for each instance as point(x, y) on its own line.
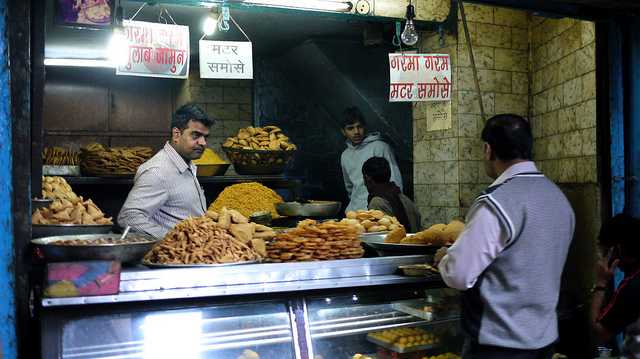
point(147, 196)
point(604, 321)
point(478, 245)
point(348, 185)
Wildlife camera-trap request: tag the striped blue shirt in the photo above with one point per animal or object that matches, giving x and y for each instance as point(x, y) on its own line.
point(165, 192)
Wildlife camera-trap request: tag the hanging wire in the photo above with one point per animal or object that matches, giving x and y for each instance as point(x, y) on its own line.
point(138, 11)
point(239, 28)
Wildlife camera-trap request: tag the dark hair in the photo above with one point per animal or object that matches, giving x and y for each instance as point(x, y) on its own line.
point(190, 112)
point(509, 136)
point(352, 115)
point(621, 229)
point(378, 169)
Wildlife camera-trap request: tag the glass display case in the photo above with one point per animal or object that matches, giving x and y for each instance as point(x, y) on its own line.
point(400, 324)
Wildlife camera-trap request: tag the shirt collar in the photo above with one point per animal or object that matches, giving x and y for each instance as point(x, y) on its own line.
point(177, 160)
point(522, 167)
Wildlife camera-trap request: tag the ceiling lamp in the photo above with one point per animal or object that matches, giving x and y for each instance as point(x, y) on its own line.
point(319, 5)
point(410, 36)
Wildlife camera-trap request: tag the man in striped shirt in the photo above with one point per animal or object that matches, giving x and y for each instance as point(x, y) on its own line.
point(166, 189)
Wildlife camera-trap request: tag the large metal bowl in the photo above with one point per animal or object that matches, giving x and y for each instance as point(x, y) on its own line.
point(311, 209)
point(48, 230)
point(376, 241)
point(129, 252)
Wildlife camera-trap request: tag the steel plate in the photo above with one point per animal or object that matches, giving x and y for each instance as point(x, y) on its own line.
point(161, 265)
point(48, 230)
point(389, 249)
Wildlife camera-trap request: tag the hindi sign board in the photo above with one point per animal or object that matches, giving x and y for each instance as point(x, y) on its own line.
point(419, 77)
point(438, 115)
point(155, 50)
point(226, 60)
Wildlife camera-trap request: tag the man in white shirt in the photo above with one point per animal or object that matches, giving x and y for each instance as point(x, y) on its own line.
point(360, 147)
point(166, 189)
point(509, 259)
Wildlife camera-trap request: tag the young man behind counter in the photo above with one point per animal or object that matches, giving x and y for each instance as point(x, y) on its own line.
point(166, 189)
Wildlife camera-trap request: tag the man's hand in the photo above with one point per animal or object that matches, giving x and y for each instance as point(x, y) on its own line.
point(604, 270)
point(439, 255)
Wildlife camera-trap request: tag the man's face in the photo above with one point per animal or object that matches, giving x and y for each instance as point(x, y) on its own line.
point(354, 133)
point(190, 142)
point(489, 162)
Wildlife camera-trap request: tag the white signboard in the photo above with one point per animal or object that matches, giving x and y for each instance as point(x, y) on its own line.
point(438, 115)
point(156, 50)
point(226, 60)
point(419, 77)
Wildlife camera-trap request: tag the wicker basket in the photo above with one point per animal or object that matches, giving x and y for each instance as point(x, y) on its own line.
point(259, 162)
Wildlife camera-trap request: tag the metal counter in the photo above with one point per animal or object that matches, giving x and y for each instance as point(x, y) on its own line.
point(143, 284)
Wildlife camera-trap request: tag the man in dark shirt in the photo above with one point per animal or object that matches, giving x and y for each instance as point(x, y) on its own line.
point(608, 318)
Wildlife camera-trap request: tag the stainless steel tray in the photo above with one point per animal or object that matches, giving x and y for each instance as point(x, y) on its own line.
point(397, 349)
point(161, 265)
point(126, 252)
point(386, 249)
point(311, 209)
point(48, 170)
point(48, 230)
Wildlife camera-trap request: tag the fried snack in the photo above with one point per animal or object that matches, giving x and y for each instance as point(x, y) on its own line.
point(437, 235)
point(311, 241)
point(209, 157)
point(372, 221)
point(57, 188)
point(268, 138)
point(247, 198)
point(452, 231)
point(60, 156)
point(253, 234)
point(200, 240)
point(396, 235)
point(406, 337)
point(76, 211)
point(249, 354)
point(98, 160)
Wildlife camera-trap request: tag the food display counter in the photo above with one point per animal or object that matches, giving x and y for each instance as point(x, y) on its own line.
point(326, 309)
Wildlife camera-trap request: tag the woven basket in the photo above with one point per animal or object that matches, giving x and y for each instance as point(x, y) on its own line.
point(259, 162)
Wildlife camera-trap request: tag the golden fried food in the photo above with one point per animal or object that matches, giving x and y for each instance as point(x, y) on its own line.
point(78, 211)
point(98, 160)
point(209, 157)
point(311, 241)
point(200, 240)
point(249, 354)
point(55, 187)
point(371, 221)
point(60, 156)
point(269, 138)
point(396, 235)
point(406, 337)
point(247, 198)
point(452, 231)
point(437, 235)
point(253, 234)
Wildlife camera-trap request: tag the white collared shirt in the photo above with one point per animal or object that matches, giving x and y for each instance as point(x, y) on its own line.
point(165, 192)
point(481, 241)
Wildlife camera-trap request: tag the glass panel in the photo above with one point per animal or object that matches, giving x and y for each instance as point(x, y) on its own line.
point(244, 331)
point(383, 325)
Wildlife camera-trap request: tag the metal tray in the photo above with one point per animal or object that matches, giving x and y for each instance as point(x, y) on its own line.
point(48, 170)
point(311, 209)
point(390, 249)
point(161, 265)
point(397, 349)
point(126, 253)
point(48, 230)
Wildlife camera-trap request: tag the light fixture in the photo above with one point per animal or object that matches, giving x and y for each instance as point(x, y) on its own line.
point(320, 5)
point(118, 44)
point(69, 62)
point(210, 23)
point(410, 36)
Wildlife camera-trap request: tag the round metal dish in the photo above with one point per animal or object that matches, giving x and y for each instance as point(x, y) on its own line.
point(161, 265)
point(38, 203)
point(47, 230)
point(128, 252)
point(311, 209)
point(259, 162)
point(393, 249)
point(213, 170)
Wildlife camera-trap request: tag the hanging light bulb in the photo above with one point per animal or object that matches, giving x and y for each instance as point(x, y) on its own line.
point(210, 23)
point(118, 44)
point(410, 36)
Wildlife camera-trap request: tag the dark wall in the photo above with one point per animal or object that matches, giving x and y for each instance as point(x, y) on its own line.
point(305, 91)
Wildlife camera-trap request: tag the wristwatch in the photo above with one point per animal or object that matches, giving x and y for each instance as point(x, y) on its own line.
point(596, 288)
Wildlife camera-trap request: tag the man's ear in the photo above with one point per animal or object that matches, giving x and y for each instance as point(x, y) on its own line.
point(487, 151)
point(343, 132)
point(175, 133)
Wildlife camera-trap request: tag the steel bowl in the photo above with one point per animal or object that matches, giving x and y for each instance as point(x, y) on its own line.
point(311, 209)
point(38, 203)
point(376, 241)
point(129, 252)
point(48, 230)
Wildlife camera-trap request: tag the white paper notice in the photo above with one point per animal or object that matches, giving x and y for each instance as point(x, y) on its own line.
point(226, 60)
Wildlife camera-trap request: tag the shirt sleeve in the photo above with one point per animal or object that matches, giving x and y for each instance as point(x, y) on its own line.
point(348, 185)
point(623, 308)
point(478, 245)
point(145, 199)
